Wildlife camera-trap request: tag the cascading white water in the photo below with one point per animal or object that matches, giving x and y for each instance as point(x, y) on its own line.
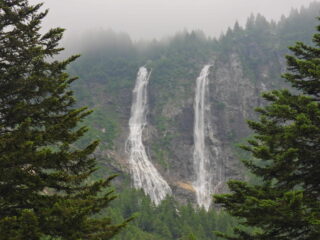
point(144, 174)
point(208, 171)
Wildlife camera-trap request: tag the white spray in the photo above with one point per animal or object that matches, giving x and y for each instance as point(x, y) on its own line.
point(145, 175)
point(208, 172)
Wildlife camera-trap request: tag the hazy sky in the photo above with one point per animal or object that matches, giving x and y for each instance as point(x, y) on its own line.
point(149, 19)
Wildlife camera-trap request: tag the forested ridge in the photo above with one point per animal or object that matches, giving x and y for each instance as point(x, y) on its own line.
point(63, 169)
point(258, 44)
point(110, 61)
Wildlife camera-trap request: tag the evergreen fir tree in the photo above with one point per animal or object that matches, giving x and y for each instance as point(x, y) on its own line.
point(286, 149)
point(45, 187)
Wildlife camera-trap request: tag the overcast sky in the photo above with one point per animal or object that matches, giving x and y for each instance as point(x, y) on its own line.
point(147, 19)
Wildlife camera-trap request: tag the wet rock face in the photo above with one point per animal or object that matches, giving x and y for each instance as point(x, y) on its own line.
point(168, 137)
point(145, 176)
point(233, 97)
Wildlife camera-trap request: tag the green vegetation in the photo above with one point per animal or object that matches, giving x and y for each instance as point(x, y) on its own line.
point(104, 128)
point(168, 221)
point(110, 63)
point(161, 155)
point(51, 186)
point(45, 192)
point(108, 74)
point(262, 43)
point(285, 204)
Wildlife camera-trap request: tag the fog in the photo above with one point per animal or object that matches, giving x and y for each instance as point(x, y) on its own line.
point(148, 19)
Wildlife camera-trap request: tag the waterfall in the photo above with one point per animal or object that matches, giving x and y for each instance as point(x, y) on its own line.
point(207, 164)
point(144, 174)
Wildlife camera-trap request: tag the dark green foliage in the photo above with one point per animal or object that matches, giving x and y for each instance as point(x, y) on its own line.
point(262, 43)
point(105, 128)
point(24, 226)
point(110, 62)
point(286, 204)
point(168, 221)
point(108, 72)
point(297, 26)
point(44, 187)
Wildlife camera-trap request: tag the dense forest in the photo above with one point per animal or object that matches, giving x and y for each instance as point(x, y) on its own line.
point(112, 65)
point(169, 220)
point(63, 167)
point(109, 63)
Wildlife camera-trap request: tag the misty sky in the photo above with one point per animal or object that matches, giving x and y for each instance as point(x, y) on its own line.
point(147, 19)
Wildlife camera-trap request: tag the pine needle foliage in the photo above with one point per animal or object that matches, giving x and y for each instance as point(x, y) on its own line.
point(286, 149)
point(45, 187)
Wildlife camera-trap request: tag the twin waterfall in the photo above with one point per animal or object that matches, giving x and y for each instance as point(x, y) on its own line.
point(144, 174)
point(208, 167)
point(208, 173)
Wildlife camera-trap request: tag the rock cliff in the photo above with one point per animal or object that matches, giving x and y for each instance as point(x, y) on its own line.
point(245, 62)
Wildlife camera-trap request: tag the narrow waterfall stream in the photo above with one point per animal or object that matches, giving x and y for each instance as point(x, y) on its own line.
point(144, 174)
point(208, 172)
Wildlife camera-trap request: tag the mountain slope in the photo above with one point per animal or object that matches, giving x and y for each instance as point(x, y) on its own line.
point(246, 61)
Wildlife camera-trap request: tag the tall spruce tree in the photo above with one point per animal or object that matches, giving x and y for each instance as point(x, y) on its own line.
point(286, 153)
point(45, 186)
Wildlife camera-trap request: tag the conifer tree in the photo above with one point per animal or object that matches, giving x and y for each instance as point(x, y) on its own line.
point(45, 186)
point(286, 157)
